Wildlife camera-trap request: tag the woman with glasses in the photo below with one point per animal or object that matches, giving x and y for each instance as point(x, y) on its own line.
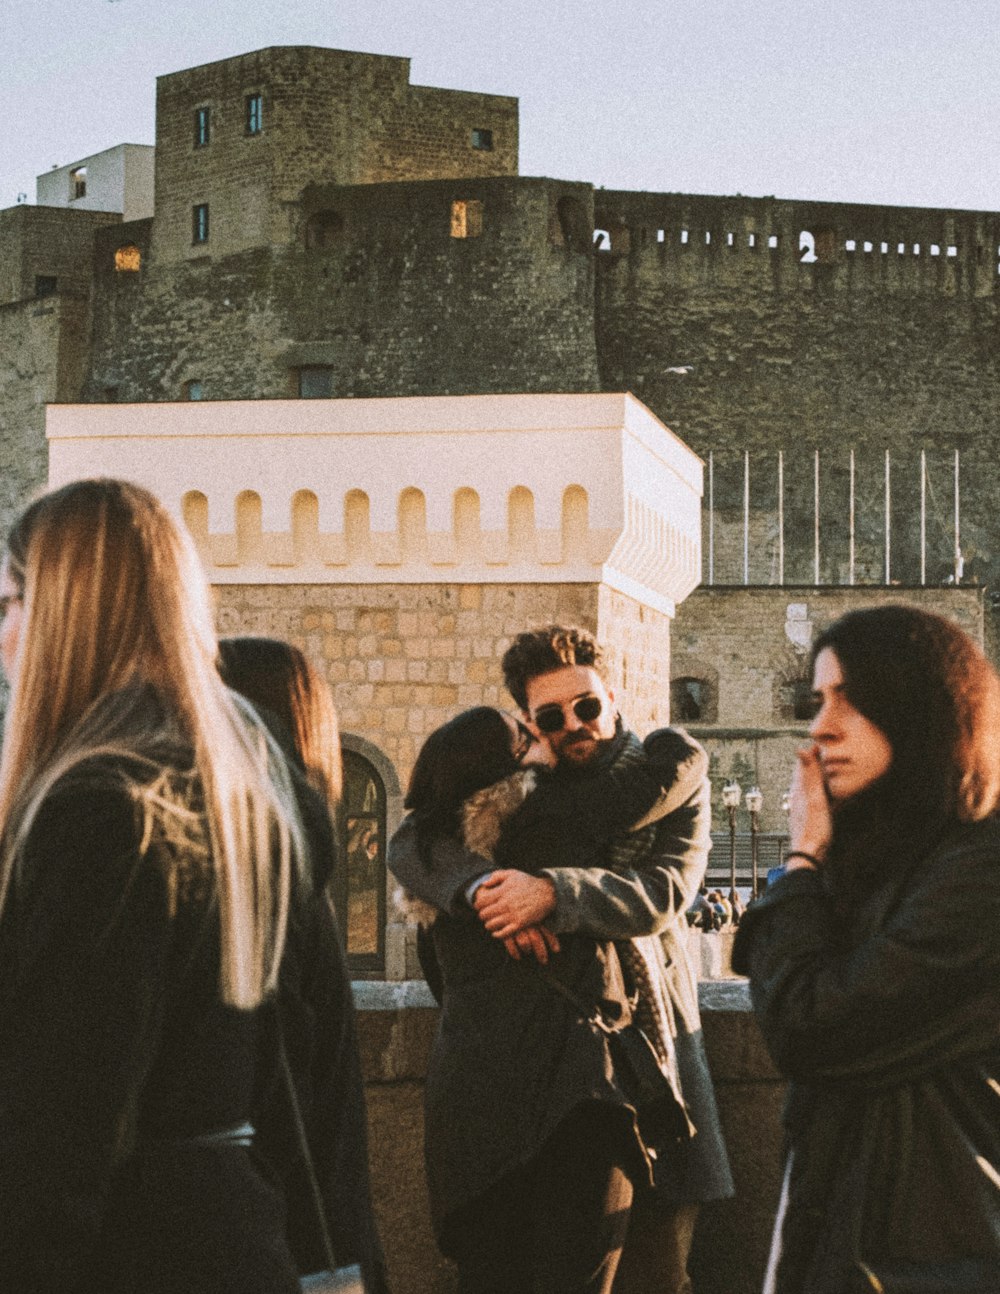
point(531, 1146)
point(875, 967)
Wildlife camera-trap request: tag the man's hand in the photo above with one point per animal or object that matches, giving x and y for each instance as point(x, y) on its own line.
point(536, 941)
point(509, 902)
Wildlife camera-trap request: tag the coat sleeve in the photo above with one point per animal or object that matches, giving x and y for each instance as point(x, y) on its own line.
point(925, 987)
point(648, 897)
point(84, 944)
point(443, 884)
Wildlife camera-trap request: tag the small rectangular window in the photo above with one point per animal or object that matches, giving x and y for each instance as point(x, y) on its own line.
point(315, 383)
point(483, 140)
point(199, 223)
point(45, 285)
point(202, 127)
point(466, 219)
point(254, 114)
point(78, 182)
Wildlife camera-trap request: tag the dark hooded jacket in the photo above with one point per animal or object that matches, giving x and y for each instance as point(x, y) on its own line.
point(886, 1017)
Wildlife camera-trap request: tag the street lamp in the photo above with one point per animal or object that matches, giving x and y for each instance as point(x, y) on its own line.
point(786, 808)
point(755, 802)
point(731, 794)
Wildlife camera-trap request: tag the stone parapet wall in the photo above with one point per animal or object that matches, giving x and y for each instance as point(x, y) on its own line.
point(396, 1028)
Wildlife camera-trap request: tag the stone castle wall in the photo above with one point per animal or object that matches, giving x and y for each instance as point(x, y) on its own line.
point(328, 116)
point(884, 339)
point(392, 304)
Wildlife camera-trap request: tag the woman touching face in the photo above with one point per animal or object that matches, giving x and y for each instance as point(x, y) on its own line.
point(853, 752)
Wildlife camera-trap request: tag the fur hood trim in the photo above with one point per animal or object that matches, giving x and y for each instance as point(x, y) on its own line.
point(484, 813)
point(414, 911)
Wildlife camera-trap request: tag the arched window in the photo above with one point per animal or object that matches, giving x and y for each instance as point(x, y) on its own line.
point(689, 700)
point(359, 884)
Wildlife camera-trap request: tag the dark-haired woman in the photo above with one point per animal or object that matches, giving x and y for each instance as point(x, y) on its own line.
point(875, 967)
point(316, 1005)
point(532, 1152)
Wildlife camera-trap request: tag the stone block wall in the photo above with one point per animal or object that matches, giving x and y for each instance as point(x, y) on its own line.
point(51, 242)
point(329, 116)
point(404, 659)
point(390, 303)
point(878, 341)
point(43, 352)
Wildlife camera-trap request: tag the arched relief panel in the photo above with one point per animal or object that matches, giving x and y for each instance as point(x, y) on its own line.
point(521, 532)
point(357, 528)
point(575, 526)
point(249, 529)
point(194, 509)
point(413, 545)
point(467, 526)
point(305, 526)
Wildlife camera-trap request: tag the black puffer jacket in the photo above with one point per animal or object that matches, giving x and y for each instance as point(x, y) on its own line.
point(888, 1023)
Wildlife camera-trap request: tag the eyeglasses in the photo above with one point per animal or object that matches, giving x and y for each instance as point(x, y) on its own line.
point(525, 741)
point(552, 718)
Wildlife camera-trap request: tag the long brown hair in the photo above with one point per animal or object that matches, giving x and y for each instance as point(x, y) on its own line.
point(281, 679)
point(113, 597)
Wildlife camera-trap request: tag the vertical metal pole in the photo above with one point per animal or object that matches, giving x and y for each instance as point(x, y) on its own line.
point(711, 518)
point(923, 516)
point(816, 517)
point(850, 555)
point(959, 564)
point(746, 516)
point(888, 521)
point(781, 516)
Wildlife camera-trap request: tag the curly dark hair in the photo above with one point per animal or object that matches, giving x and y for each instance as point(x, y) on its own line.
point(540, 651)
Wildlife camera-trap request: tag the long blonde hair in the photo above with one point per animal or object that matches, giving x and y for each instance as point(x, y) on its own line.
point(114, 596)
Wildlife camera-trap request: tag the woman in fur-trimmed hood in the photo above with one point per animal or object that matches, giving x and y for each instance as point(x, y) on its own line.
point(522, 1101)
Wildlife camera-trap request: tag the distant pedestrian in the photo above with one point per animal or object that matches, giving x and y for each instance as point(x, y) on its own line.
point(875, 967)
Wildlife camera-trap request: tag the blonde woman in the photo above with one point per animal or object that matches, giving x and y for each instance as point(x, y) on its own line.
point(147, 843)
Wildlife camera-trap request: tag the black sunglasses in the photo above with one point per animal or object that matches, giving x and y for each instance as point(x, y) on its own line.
point(552, 718)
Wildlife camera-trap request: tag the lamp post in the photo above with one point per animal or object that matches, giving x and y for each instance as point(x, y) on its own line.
point(754, 802)
point(786, 808)
point(731, 795)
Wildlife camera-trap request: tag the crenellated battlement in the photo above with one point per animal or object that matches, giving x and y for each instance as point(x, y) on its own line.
point(509, 489)
point(799, 245)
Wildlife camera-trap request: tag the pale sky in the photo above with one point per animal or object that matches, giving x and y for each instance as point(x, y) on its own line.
point(876, 101)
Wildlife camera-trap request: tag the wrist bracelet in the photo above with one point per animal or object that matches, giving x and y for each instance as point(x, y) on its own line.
point(801, 853)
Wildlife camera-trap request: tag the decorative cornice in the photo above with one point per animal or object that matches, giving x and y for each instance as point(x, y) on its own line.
point(466, 489)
